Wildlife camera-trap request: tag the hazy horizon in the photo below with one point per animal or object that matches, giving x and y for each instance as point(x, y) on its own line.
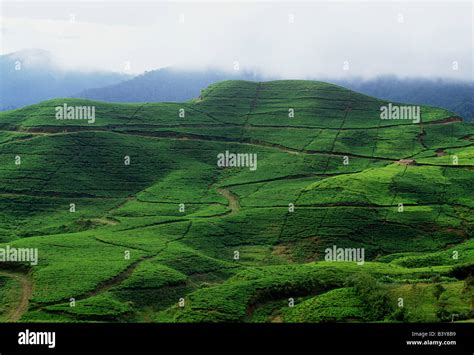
point(356, 40)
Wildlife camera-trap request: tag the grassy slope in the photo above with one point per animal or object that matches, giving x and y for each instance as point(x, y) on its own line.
point(135, 208)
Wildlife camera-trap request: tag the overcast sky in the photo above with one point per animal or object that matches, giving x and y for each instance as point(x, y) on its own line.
point(281, 39)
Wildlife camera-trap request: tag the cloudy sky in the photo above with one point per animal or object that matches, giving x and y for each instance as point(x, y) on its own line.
point(312, 39)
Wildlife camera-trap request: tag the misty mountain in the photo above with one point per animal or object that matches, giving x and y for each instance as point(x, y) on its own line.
point(30, 76)
point(456, 96)
point(163, 85)
point(174, 85)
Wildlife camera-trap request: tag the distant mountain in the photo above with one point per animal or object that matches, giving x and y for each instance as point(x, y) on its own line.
point(39, 79)
point(163, 85)
point(456, 96)
point(175, 85)
point(30, 76)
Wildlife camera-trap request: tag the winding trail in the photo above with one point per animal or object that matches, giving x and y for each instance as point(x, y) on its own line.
point(15, 313)
point(26, 290)
point(232, 198)
point(172, 135)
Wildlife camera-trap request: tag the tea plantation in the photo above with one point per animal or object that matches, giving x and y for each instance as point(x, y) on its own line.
point(134, 221)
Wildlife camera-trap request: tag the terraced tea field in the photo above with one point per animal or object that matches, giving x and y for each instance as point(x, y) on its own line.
point(134, 221)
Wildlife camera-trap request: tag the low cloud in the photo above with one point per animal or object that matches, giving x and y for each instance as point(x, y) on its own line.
point(287, 40)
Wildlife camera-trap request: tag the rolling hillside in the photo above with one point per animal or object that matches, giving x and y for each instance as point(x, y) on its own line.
point(160, 233)
point(177, 85)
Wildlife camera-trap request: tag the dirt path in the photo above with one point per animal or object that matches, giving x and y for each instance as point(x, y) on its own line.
point(258, 143)
point(26, 289)
point(232, 198)
point(253, 105)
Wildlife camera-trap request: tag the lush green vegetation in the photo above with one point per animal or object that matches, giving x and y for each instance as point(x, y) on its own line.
point(135, 222)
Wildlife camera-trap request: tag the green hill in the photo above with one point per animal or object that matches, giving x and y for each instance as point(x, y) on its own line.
point(156, 221)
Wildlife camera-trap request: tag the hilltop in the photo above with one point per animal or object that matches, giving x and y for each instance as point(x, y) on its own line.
point(225, 240)
point(174, 84)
